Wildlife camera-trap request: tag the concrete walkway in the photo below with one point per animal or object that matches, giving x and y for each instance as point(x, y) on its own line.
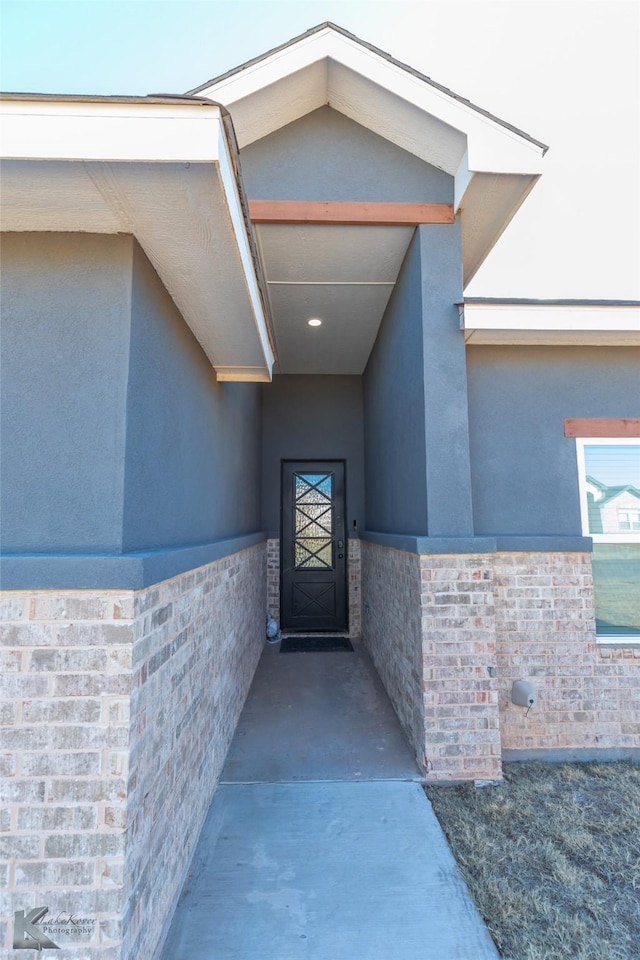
point(320, 843)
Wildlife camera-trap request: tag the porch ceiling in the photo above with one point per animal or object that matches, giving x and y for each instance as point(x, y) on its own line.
point(342, 275)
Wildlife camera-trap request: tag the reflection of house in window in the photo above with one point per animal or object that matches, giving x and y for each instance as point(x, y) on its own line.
point(612, 509)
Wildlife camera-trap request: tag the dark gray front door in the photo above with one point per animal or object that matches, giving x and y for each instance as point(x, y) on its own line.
point(313, 546)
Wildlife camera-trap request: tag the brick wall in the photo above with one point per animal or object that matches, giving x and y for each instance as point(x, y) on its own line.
point(588, 694)
point(66, 688)
point(392, 632)
point(428, 622)
point(273, 578)
point(462, 735)
point(450, 633)
point(117, 711)
point(354, 587)
point(197, 644)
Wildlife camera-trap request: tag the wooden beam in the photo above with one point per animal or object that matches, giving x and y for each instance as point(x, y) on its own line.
point(349, 213)
point(602, 427)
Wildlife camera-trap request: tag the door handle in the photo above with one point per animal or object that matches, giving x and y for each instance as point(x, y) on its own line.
point(340, 544)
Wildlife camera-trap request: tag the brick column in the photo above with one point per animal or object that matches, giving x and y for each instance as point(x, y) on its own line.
point(428, 622)
point(273, 577)
point(462, 735)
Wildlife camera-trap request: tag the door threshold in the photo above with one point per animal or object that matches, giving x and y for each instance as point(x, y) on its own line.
point(292, 634)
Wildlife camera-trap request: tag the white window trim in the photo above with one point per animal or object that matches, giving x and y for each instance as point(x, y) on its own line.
point(581, 443)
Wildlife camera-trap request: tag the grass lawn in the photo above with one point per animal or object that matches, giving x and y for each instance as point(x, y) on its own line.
point(552, 858)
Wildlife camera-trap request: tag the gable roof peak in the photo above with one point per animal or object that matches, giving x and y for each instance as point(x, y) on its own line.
point(329, 27)
point(494, 164)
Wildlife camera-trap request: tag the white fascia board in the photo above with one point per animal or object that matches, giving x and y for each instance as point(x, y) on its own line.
point(240, 374)
point(462, 178)
point(116, 131)
point(492, 147)
point(234, 205)
point(579, 324)
point(265, 72)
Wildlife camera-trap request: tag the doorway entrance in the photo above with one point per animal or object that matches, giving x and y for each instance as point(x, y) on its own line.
point(313, 547)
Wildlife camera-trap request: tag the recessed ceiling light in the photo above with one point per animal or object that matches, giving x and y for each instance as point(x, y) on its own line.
point(315, 322)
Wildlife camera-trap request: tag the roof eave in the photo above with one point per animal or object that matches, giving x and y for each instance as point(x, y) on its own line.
point(554, 323)
point(164, 170)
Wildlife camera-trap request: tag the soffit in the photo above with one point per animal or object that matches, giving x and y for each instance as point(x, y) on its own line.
point(162, 171)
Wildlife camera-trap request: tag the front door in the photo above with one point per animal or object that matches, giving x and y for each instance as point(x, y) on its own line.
point(313, 546)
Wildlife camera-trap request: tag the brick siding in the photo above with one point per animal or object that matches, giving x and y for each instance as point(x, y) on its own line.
point(392, 632)
point(462, 734)
point(118, 707)
point(587, 694)
point(273, 578)
point(117, 711)
point(450, 633)
point(354, 587)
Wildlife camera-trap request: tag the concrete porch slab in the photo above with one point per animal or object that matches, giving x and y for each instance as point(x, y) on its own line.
point(318, 716)
point(312, 871)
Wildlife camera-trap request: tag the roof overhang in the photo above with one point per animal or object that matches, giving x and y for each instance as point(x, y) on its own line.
point(165, 170)
point(494, 164)
point(551, 322)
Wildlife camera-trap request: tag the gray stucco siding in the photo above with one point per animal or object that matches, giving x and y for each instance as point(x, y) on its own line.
point(418, 478)
point(120, 448)
point(326, 156)
point(312, 418)
point(524, 472)
point(449, 500)
point(65, 344)
point(193, 444)
point(394, 416)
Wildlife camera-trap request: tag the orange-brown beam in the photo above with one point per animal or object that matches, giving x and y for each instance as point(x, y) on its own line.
point(349, 213)
point(602, 427)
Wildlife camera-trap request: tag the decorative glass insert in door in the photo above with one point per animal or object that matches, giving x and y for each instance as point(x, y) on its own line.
point(313, 520)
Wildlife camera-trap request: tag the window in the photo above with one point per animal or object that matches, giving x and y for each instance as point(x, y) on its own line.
point(609, 472)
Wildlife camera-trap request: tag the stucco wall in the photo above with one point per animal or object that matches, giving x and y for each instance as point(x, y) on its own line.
point(449, 503)
point(319, 418)
point(395, 458)
point(524, 472)
point(116, 434)
point(65, 344)
point(193, 445)
point(326, 156)
point(415, 392)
